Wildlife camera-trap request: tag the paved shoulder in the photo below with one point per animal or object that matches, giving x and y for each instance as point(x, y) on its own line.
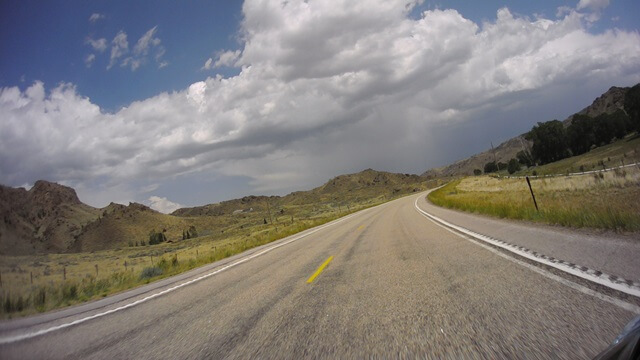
point(611, 253)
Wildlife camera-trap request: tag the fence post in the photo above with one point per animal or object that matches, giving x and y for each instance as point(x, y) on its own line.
point(31, 273)
point(532, 195)
point(64, 273)
point(96, 270)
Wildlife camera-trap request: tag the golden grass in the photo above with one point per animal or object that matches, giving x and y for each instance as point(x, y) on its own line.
point(37, 283)
point(605, 200)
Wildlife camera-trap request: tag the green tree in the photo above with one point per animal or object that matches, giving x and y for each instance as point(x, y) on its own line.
point(513, 166)
point(524, 157)
point(581, 134)
point(549, 141)
point(632, 107)
point(490, 167)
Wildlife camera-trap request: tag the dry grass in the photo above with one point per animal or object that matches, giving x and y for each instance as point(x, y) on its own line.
point(37, 283)
point(605, 200)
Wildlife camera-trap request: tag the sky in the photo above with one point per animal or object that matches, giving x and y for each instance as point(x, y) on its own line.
point(175, 104)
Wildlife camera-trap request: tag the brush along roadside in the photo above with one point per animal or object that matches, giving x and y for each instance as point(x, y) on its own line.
point(603, 200)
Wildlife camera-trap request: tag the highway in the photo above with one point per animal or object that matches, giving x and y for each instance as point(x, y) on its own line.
point(385, 282)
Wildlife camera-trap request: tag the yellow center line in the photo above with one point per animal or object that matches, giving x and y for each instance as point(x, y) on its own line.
point(361, 227)
point(315, 274)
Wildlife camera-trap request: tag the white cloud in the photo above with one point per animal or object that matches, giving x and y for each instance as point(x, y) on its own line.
point(207, 64)
point(99, 45)
point(119, 47)
point(323, 88)
point(595, 5)
point(149, 188)
point(163, 205)
point(95, 17)
point(227, 58)
point(146, 44)
point(89, 59)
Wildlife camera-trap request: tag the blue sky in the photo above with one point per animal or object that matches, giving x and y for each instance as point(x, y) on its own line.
point(198, 101)
point(46, 41)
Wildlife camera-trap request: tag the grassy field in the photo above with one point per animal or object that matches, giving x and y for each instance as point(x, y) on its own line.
point(605, 200)
point(37, 283)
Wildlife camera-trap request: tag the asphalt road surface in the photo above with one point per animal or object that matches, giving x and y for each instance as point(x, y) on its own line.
point(397, 285)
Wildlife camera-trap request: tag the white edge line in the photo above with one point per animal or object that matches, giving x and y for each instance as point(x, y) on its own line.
point(583, 289)
point(586, 276)
point(15, 338)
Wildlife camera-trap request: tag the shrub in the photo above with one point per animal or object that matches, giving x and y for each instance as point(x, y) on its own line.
point(40, 297)
point(477, 172)
point(150, 272)
point(490, 167)
point(174, 260)
point(69, 291)
point(156, 237)
point(513, 166)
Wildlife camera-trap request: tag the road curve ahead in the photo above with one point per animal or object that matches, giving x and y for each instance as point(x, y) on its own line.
point(385, 282)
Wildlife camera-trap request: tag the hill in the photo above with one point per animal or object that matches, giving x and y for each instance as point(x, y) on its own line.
point(49, 218)
point(339, 191)
point(609, 102)
point(46, 218)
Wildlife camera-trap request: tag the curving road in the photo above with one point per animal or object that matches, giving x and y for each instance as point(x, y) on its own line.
point(398, 285)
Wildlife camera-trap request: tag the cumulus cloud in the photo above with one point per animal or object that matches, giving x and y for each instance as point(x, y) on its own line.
point(163, 205)
point(323, 88)
point(227, 58)
point(95, 17)
point(224, 58)
point(594, 7)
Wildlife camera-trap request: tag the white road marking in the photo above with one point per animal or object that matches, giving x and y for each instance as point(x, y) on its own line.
point(472, 238)
point(15, 338)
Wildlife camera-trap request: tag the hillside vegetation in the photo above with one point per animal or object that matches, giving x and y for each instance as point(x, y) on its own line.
point(110, 250)
point(611, 115)
point(604, 200)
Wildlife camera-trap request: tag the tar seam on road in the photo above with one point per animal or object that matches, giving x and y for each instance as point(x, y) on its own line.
point(315, 274)
point(622, 304)
point(15, 338)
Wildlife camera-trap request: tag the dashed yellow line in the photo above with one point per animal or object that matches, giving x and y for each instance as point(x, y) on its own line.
point(315, 274)
point(361, 227)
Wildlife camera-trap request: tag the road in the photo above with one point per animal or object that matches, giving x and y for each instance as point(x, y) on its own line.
point(398, 285)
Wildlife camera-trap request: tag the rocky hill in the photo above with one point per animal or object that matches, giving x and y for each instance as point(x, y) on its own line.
point(609, 102)
point(49, 218)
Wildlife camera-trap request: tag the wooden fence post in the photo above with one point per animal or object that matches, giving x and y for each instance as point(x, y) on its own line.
point(532, 195)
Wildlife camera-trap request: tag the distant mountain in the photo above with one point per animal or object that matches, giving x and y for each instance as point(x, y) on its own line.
point(341, 189)
point(609, 102)
point(49, 218)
